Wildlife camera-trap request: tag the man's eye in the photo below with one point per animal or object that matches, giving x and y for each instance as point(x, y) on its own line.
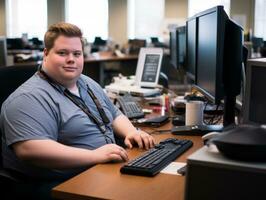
point(77, 54)
point(61, 53)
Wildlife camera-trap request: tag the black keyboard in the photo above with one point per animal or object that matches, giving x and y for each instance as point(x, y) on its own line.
point(155, 159)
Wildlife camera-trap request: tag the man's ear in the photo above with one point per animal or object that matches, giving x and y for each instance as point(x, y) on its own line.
point(45, 52)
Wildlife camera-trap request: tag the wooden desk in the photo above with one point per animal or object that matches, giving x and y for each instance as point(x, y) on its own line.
point(104, 181)
point(94, 66)
point(107, 56)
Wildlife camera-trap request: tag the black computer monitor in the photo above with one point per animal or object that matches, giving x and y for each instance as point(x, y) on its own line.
point(15, 43)
point(98, 41)
point(191, 48)
point(255, 97)
point(3, 52)
point(154, 40)
point(219, 58)
point(178, 47)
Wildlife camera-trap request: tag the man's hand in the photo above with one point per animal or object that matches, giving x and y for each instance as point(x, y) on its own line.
point(141, 138)
point(111, 152)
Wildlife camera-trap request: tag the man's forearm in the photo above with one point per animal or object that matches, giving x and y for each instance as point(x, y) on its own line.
point(51, 154)
point(122, 126)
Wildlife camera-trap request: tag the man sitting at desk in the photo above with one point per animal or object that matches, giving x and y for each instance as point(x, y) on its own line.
point(60, 122)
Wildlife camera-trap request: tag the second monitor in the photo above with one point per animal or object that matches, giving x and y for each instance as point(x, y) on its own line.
point(219, 58)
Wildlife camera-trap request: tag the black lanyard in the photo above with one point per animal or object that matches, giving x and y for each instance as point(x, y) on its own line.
point(80, 103)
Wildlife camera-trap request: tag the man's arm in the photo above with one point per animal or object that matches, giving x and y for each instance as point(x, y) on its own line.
point(51, 154)
point(125, 129)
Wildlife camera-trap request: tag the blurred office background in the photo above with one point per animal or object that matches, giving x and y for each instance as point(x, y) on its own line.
point(125, 25)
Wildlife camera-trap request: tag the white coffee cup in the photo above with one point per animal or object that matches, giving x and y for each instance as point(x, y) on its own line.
point(194, 113)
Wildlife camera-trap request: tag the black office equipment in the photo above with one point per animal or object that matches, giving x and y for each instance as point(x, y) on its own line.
point(245, 142)
point(3, 52)
point(98, 41)
point(178, 47)
point(156, 43)
point(196, 129)
point(191, 48)
point(211, 175)
point(254, 106)
point(15, 43)
point(135, 45)
point(218, 60)
point(155, 159)
point(154, 121)
point(182, 170)
point(178, 120)
point(257, 43)
point(130, 107)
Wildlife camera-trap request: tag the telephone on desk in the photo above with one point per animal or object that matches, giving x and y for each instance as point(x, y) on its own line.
point(130, 107)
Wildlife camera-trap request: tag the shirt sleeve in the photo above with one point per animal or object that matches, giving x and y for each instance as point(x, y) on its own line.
point(26, 117)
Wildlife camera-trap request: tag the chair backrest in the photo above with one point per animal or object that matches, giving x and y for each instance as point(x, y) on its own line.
point(10, 79)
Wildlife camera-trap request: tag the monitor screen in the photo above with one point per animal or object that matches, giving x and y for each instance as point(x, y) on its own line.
point(178, 47)
point(255, 97)
point(209, 68)
point(151, 65)
point(15, 43)
point(191, 47)
point(3, 52)
point(219, 55)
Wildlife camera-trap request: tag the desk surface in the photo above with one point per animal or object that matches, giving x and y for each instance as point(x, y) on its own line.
point(104, 181)
point(107, 56)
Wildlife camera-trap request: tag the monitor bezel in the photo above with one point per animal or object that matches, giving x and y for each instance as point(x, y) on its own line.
point(140, 66)
point(175, 40)
point(221, 24)
point(261, 62)
point(189, 73)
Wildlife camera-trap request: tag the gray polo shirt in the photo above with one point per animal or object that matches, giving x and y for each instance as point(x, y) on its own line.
point(36, 110)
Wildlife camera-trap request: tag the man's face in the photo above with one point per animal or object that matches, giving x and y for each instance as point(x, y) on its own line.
point(64, 62)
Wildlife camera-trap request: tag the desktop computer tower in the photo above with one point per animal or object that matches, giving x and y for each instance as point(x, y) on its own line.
point(210, 176)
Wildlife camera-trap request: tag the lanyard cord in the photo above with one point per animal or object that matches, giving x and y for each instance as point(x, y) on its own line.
point(81, 104)
point(99, 106)
point(85, 109)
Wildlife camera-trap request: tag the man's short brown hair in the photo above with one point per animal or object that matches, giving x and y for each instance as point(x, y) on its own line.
point(61, 28)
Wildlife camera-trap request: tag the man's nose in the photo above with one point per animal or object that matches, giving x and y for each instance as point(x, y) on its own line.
point(70, 58)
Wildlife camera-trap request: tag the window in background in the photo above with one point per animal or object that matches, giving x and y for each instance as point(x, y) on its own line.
point(89, 15)
point(26, 16)
point(196, 6)
point(145, 18)
point(260, 19)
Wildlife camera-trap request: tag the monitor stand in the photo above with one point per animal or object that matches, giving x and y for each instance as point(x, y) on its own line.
point(196, 129)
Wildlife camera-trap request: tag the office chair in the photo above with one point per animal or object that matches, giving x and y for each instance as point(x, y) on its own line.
point(10, 79)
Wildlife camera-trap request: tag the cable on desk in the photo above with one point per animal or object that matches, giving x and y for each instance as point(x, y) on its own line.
point(159, 131)
point(216, 118)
